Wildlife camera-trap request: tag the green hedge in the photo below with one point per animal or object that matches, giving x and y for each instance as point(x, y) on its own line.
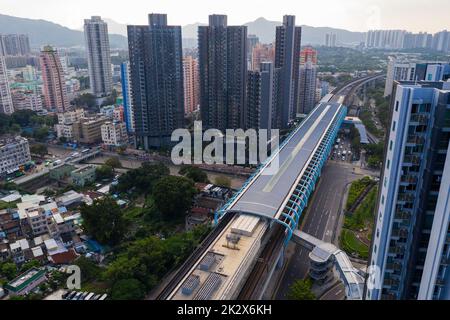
point(356, 189)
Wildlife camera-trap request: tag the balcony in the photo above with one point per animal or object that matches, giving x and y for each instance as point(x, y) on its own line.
point(388, 296)
point(403, 215)
point(407, 197)
point(411, 179)
point(390, 282)
point(394, 266)
point(414, 139)
point(440, 282)
point(415, 160)
point(400, 233)
point(396, 250)
point(419, 118)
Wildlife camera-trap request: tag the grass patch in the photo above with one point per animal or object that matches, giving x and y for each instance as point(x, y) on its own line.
point(356, 189)
point(363, 215)
point(351, 244)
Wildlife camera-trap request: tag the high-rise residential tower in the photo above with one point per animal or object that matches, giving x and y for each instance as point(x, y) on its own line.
point(403, 70)
point(287, 58)
point(330, 40)
point(156, 70)
point(14, 45)
point(128, 109)
point(191, 84)
point(262, 96)
point(54, 86)
point(223, 73)
point(308, 80)
point(99, 56)
point(411, 243)
point(6, 103)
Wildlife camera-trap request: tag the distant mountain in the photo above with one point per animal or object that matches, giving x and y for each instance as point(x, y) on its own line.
point(43, 32)
point(265, 30)
point(189, 31)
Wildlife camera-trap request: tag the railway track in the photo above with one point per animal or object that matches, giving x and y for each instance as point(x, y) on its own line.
point(268, 256)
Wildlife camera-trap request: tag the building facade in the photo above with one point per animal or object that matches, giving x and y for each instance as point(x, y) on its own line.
point(114, 133)
point(385, 39)
point(262, 92)
point(99, 56)
point(191, 84)
point(223, 73)
point(156, 69)
point(14, 45)
point(400, 70)
point(128, 110)
point(287, 58)
point(330, 40)
point(262, 53)
point(6, 103)
point(411, 237)
point(14, 152)
point(88, 130)
point(26, 100)
point(54, 85)
point(308, 80)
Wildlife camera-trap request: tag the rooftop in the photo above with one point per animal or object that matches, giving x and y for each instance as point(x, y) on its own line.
point(224, 261)
point(25, 279)
point(267, 192)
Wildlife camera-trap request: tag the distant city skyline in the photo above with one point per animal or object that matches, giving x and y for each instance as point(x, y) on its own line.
point(370, 14)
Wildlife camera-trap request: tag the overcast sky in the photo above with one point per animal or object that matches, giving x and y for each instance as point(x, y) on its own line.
point(355, 15)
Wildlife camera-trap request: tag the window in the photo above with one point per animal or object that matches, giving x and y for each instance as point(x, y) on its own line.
point(388, 163)
point(393, 126)
point(396, 106)
point(390, 145)
point(382, 200)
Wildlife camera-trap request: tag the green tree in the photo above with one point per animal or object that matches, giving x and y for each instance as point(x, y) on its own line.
point(89, 269)
point(173, 195)
point(41, 133)
point(40, 149)
point(223, 181)
point(8, 270)
point(114, 162)
point(104, 221)
point(30, 264)
point(104, 172)
point(142, 180)
point(194, 173)
point(301, 290)
point(85, 100)
point(128, 289)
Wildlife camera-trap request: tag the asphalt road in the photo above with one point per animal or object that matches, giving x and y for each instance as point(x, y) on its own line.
point(321, 218)
point(335, 293)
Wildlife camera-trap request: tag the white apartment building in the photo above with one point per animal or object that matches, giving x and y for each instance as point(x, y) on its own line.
point(114, 133)
point(14, 152)
point(6, 103)
point(99, 56)
point(64, 128)
point(401, 70)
